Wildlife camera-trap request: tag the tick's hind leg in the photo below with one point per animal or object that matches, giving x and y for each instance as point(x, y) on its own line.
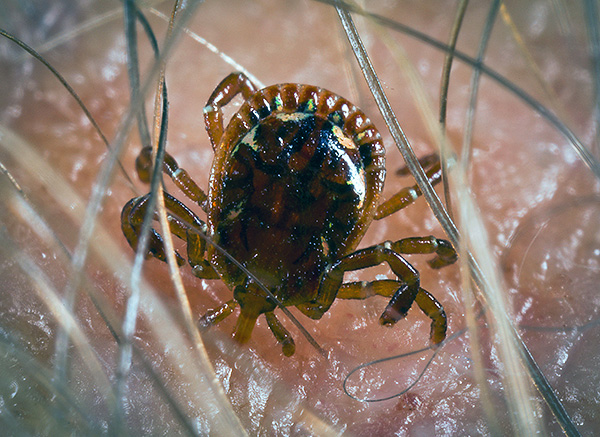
point(362, 259)
point(402, 292)
point(390, 288)
point(435, 311)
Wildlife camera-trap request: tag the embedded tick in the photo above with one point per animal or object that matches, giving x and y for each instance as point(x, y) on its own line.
point(295, 183)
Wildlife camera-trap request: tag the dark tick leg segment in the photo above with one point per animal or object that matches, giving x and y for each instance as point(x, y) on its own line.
point(402, 297)
point(229, 87)
point(132, 218)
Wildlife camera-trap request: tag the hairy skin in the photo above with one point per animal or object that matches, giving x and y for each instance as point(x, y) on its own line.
point(525, 179)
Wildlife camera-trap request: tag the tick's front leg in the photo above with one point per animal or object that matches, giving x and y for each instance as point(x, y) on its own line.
point(229, 87)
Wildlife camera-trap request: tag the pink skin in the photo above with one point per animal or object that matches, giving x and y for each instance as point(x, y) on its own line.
point(525, 178)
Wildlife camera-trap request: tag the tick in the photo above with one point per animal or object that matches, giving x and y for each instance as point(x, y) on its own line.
point(295, 182)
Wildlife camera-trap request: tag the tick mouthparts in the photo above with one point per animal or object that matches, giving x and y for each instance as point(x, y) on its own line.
point(244, 326)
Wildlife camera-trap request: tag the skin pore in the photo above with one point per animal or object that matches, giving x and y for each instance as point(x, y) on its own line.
point(537, 200)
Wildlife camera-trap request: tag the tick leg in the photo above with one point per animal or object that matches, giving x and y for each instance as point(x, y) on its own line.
point(196, 246)
point(361, 259)
point(445, 253)
point(229, 87)
point(363, 289)
point(178, 175)
point(387, 288)
point(435, 311)
point(132, 218)
point(181, 222)
point(214, 316)
point(408, 195)
point(281, 334)
point(403, 292)
point(426, 162)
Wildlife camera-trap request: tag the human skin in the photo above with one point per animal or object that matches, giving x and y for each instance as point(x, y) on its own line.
point(535, 196)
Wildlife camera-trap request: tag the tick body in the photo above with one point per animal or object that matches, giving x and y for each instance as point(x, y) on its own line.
point(295, 183)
